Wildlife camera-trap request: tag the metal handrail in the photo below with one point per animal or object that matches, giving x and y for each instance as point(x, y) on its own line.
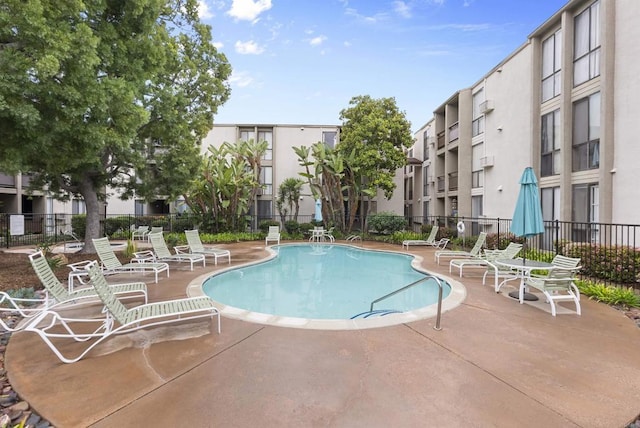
point(427, 276)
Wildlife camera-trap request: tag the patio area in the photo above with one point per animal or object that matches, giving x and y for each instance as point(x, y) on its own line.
point(494, 363)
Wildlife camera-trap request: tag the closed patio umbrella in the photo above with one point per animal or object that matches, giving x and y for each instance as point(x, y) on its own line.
point(527, 217)
point(318, 213)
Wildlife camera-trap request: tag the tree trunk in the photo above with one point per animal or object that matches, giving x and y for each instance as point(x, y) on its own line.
point(90, 196)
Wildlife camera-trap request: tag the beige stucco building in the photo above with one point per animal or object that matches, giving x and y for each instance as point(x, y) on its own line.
point(563, 103)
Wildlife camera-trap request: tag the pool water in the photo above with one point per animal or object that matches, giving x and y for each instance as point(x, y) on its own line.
point(323, 281)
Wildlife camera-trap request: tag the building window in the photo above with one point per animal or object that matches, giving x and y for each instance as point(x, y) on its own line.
point(476, 212)
point(266, 179)
point(586, 48)
point(550, 144)
point(265, 209)
point(477, 173)
point(586, 133)
point(425, 145)
point(408, 169)
point(247, 134)
point(425, 211)
point(551, 61)
point(550, 203)
point(477, 126)
point(585, 214)
point(139, 207)
point(425, 181)
point(330, 138)
point(268, 137)
point(78, 207)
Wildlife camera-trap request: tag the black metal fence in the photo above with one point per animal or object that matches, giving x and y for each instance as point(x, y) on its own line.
point(609, 252)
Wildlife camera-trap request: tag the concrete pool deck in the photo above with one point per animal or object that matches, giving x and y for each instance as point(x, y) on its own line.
point(494, 363)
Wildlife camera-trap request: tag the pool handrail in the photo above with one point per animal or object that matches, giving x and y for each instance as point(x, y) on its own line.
point(427, 276)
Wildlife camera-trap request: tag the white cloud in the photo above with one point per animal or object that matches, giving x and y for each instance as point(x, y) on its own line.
point(203, 10)
point(241, 79)
point(218, 45)
point(248, 48)
point(402, 9)
point(317, 41)
point(248, 10)
point(461, 27)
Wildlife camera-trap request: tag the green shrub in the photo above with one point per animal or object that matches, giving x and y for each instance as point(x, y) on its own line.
point(120, 225)
point(386, 222)
point(79, 224)
point(22, 293)
point(265, 224)
point(500, 242)
point(305, 227)
point(612, 264)
point(292, 227)
point(610, 295)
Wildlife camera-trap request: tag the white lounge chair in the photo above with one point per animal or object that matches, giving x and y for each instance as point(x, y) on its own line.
point(273, 235)
point(195, 246)
point(57, 296)
point(483, 261)
point(474, 252)
point(155, 229)
point(430, 241)
point(558, 284)
point(162, 253)
point(110, 264)
point(51, 326)
point(141, 233)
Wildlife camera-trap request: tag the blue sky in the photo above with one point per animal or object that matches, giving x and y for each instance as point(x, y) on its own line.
point(301, 61)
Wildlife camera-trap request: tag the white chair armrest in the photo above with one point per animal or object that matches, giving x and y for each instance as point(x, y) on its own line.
point(182, 249)
point(80, 266)
point(143, 256)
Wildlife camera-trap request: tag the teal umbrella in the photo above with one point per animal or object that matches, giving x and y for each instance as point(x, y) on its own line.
point(318, 213)
point(527, 218)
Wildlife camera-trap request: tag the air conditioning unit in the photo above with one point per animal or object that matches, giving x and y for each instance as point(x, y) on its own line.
point(486, 161)
point(486, 106)
point(432, 141)
point(259, 191)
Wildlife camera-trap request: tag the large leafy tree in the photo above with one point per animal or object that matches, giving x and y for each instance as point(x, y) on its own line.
point(373, 139)
point(375, 134)
point(222, 191)
point(288, 200)
point(100, 94)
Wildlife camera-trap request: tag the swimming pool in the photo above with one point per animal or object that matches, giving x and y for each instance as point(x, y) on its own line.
point(324, 285)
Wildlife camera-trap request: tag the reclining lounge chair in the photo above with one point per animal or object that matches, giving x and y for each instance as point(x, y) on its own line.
point(430, 241)
point(57, 296)
point(111, 264)
point(51, 326)
point(195, 246)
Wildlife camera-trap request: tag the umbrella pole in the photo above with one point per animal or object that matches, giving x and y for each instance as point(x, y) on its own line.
point(530, 297)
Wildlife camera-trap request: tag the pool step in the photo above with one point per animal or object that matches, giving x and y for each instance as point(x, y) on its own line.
point(376, 313)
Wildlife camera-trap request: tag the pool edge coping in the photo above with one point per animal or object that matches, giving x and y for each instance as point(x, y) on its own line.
point(455, 298)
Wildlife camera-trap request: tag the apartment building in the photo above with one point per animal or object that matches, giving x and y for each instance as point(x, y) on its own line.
point(563, 103)
point(280, 161)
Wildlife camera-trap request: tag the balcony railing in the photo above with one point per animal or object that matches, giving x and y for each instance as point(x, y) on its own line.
point(454, 132)
point(453, 180)
point(440, 183)
point(441, 140)
point(7, 180)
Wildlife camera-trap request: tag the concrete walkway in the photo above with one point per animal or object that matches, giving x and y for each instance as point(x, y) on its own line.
point(494, 363)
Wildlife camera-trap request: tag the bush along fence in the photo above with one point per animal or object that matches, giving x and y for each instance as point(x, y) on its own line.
point(609, 252)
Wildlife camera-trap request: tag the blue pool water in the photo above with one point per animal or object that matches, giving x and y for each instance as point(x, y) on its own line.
point(323, 282)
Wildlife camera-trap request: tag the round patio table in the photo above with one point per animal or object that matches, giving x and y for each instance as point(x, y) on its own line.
point(524, 267)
